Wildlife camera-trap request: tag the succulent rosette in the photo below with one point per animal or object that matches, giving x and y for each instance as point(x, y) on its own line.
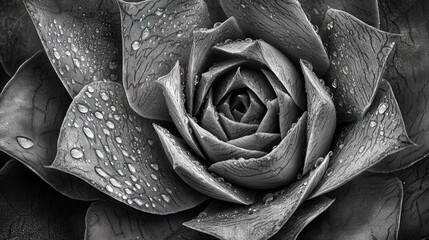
point(227, 119)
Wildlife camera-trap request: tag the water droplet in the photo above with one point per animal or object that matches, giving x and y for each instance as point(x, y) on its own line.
point(76, 153)
point(136, 45)
point(382, 108)
point(150, 141)
point(319, 161)
point(118, 139)
point(153, 176)
point(159, 11)
point(202, 215)
point(110, 125)
point(251, 210)
point(268, 198)
point(131, 168)
point(101, 172)
point(104, 96)
point(115, 182)
point(98, 115)
point(24, 142)
point(329, 172)
point(372, 123)
point(165, 198)
point(88, 132)
point(99, 153)
point(82, 108)
point(361, 149)
point(56, 55)
point(109, 188)
point(154, 166)
point(145, 34)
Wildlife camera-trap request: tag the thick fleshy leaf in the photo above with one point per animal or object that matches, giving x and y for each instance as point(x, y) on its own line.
point(194, 172)
point(104, 142)
point(256, 110)
point(210, 119)
point(321, 118)
point(409, 75)
point(263, 53)
point(19, 40)
point(270, 122)
point(171, 85)
point(276, 169)
point(201, 55)
point(211, 76)
point(365, 10)
point(257, 141)
point(362, 144)
point(156, 34)
point(282, 24)
point(415, 207)
point(302, 217)
point(262, 219)
point(82, 39)
point(369, 207)
point(235, 129)
point(32, 107)
point(30, 209)
point(217, 150)
point(112, 220)
point(358, 53)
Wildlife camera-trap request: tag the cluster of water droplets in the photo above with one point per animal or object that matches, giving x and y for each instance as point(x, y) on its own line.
point(115, 146)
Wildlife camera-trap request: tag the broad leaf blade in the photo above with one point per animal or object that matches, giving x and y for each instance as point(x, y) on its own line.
point(32, 108)
point(104, 142)
point(81, 38)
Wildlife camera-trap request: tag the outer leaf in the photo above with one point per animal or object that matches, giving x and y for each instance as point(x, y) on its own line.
point(321, 118)
point(19, 40)
point(263, 53)
point(365, 10)
point(81, 38)
point(32, 108)
point(104, 142)
point(369, 207)
point(358, 53)
point(201, 55)
point(261, 220)
point(302, 217)
point(409, 75)
point(31, 209)
point(282, 24)
point(415, 208)
point(362, 144)
point(276, 169)
point(155, 35)
point(194, 172)
point(111, 220)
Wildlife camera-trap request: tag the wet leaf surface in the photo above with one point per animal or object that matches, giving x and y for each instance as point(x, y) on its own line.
point(202, 56)
point(262, 219)
point(282, 24)
point(415, 207)
point(104, 142)
point(156, 34)
point(19, 40)
point(276, 169)
point(302, 217)
point(358, 54)
point(369, 207)
point(193, 171)
point(408, 74)
point(32, 108)
point(82, 39)
point(30, 209)
point(321, 118)
point(360, 145)
point(365, 10)
point(112, 220)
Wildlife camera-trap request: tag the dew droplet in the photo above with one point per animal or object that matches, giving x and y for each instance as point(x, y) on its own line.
point(24, 142)
point(372, 123)
point(268, 198)
point(104, 96)
point(110, 125)
point(108, 188)
point(136, 45)
point(115, 182)
point(146, 33)
point(101, 172)
point(131, 168)
point(76, 153)
point(88, 132)
point(153, 176)
point(82, 108)
point(361, 149)
point(99, 153)
point(382, 108)
point(56, 55)
point(165, 198)
point(154, 166)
